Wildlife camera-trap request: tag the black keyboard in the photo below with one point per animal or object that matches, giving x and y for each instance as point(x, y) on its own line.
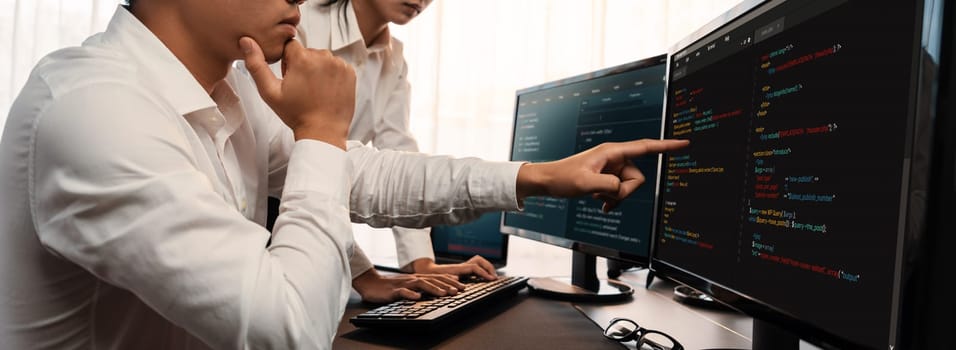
point(435, 312)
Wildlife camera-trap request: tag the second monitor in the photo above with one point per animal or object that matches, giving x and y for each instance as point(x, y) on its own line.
point(456, 244)
point(561, 118)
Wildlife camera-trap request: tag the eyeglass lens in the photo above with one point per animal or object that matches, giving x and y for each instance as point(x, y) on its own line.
point(620, 329)
point(656, 340)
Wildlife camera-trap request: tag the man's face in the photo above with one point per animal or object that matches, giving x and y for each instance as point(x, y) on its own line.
point(219, 24)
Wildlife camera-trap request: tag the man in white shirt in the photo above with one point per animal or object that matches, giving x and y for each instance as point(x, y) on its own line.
point(136, 169)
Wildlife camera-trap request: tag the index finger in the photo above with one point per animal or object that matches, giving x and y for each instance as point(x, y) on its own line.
point(428, 286)
point(450, 280)
point(481, 271)
point(485, 265)
point(637, 148)
point(293, 48)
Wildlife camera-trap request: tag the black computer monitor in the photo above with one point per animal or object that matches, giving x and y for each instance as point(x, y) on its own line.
point(561, 118)
point(458, 243)
point(804, 187)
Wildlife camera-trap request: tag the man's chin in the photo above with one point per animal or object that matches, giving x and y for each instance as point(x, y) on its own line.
point(273, 56)
point(271, 60)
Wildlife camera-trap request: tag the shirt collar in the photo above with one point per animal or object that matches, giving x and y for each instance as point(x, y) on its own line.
point(169, 77)
point(352, 34)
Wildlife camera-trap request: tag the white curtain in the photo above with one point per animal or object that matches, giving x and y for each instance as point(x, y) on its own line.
point(466, 58)
point(30, 29)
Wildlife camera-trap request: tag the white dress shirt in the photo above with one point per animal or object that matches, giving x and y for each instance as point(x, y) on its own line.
point(134, 205)
point(382, 100)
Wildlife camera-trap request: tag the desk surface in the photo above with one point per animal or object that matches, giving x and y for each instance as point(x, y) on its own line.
point(653, 308)
point(522, 322)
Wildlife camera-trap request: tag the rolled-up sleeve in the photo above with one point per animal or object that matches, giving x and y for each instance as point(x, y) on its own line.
point(412, 244)
point(115, 189)
point(394, 188)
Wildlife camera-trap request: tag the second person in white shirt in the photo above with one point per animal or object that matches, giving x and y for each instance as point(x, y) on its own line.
point(357, 31)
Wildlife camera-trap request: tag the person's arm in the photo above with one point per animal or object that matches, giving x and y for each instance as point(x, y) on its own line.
point(117, 192)
point(391, 188)
point(413, 245)
point(377, 288)
point(414, 190)
point(115, 188)
point(604, 171)
point(476, 265)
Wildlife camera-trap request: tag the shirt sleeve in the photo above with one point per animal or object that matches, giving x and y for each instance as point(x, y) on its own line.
point(359, 262)
point(393, 188)
point(412, 244)
point(116, 190)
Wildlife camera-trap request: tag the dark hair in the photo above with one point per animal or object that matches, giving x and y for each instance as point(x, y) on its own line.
point(129, 3)
point(345, 3)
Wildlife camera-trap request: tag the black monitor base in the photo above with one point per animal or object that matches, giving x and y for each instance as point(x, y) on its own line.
point(689, 296)
point(583, 285)
point(562, 288)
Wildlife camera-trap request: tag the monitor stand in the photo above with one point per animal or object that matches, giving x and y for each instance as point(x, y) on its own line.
point(615, 268)
point(584, 285)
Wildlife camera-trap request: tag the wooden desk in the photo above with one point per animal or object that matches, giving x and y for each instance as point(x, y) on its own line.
point(652, 308)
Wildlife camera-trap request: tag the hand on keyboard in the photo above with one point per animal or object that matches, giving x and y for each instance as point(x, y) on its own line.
point(474, 266)
point(376, 288)
point(432, 312)
point(466, 279)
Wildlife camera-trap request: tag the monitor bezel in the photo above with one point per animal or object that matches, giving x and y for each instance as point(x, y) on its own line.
point(587, 248)
point(928, 316)
point(752, 306)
